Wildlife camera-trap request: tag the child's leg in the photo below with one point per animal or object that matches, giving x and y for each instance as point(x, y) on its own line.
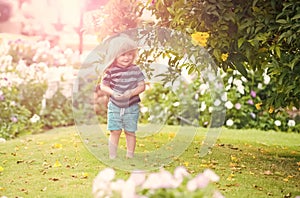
point(130, 143)
point(113, 143)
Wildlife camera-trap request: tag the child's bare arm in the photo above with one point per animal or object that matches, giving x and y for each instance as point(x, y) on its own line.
point(139, 89)
point(106, 89)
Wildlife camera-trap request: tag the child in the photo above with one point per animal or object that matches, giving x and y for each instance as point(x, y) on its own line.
point(123, 82)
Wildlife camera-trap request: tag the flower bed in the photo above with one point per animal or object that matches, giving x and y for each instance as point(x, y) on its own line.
point(27, 95)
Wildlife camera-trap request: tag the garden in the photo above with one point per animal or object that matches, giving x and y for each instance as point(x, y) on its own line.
point(253, 150)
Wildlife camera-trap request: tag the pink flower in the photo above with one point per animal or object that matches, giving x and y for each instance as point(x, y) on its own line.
point(108, 174)
point(238, 106)
point(217, 194)
point(162, 179)
point(211, 175)
point(14, 119)
point(180, 172)
point(129, 189)
point(138, 177)
point(1, 96)
point(250, 102)
point(253, 93)
point(200, 181)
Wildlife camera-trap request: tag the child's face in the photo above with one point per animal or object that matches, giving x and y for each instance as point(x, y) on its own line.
point(126, 59)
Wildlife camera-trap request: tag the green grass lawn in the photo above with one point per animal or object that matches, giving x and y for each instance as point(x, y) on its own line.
point(56, 163)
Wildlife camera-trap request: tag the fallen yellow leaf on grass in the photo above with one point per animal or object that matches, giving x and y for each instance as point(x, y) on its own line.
point(1, 169)
point(231, 177)
point(172, 135)
point(286, 179)
point(40, 143)
point(141, 145)
point(57, 164)
point(44, 189)
point(84, 175)
point(233, 158)
point(57, 146)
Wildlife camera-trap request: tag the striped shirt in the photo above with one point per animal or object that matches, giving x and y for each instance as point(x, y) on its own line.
point(121, 79)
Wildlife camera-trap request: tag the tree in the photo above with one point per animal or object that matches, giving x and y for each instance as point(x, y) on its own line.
point(244, 35)
point(117, 16)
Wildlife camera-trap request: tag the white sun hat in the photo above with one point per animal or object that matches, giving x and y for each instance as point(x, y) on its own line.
point(115, 46)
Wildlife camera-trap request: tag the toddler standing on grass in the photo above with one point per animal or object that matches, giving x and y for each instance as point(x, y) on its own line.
point(123, 81)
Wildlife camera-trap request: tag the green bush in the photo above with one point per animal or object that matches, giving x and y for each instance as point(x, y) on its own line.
point(15, 118)
point(23, 83)
point(244, 104)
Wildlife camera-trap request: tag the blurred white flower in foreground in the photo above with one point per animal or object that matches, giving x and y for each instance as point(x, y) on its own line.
point(142, 185)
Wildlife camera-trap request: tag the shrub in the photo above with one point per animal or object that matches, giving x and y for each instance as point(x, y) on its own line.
point(244, 106)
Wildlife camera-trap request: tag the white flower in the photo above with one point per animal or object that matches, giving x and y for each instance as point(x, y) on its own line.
point(176, 104)
point(203, 106)
point(34, 118)
point(236, 72)
point(211, 77)
point(291, 123)
point(244, 79)
point(203, 88)
point(237, 82)
point(2, 140)
point(277, 122)
point(224, 97)
point(253, 115)
point(241, 89)
point(230, 79)
point(229, 105)
point(266, 79)
point(228, 87)
point(259, 86)
point(229, 122)
point(217, 102)
point(144, 109)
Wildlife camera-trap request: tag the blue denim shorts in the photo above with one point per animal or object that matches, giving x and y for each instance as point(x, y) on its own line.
point(122, 118)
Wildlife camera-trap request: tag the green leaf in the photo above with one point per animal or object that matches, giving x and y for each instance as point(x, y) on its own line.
point(282, 21)
point(297, 16)
point(241, 41)
point(240, 67)
point(277, 50)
